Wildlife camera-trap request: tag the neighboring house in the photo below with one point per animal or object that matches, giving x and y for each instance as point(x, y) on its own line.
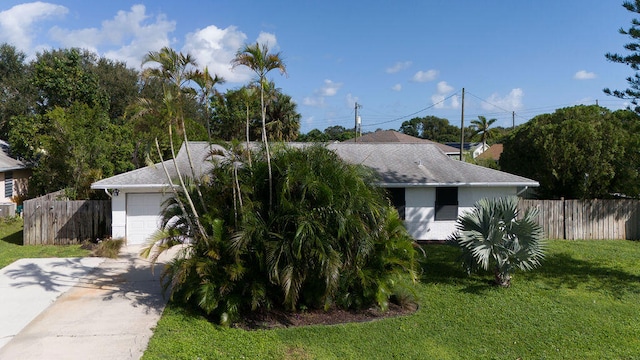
point(492, 153)
point(391, 136)
point(14, 175)
point(429, 189)
point(473, 148)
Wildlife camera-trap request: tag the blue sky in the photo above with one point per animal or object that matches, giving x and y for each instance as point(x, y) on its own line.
point(398, 59)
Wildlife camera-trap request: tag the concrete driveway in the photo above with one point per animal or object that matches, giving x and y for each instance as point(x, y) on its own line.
point(79, 308)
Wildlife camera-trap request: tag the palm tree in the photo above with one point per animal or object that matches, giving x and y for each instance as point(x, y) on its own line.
point(259, 60)
point(207, 84)
point(176, 70)
point(482, 127)
point(493, 235)
point(284, 119)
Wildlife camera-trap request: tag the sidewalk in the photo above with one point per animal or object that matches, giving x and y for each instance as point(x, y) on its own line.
point(109, 313)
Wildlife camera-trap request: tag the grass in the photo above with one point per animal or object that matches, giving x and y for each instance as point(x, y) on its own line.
point(584, 302)
point(11, 248)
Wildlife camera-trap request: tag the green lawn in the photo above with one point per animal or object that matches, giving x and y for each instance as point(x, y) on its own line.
point(583, 303)
point(11, 248)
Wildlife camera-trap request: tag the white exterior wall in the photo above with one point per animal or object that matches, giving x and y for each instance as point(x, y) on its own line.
point(420, 209)
point(119, 209)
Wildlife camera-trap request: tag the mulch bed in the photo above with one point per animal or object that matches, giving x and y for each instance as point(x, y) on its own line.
point(275, 319)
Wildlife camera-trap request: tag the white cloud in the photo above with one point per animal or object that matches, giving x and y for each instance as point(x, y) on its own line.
point(351, 100)
point(584, 75)
point(396, 87)
point(132, 28)
point(268, 39)
point(328, 89)
point(16, 24)
point(512, 101)
point(399, 66)
point(455, 103)
point(425, 76)
point(215, 48)
point(444, 88)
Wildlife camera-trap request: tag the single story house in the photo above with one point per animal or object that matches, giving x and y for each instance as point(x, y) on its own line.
point(392, 137)
point(14, 175)
point(429, 188)
point(473, 148)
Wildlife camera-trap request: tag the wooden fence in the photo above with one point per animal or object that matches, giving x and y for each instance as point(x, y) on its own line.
point(588, 219)
point(56, 222)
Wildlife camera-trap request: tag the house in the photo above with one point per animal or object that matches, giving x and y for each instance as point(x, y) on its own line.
point(391, 137)
point(429, 188)
point(14, 175)
point(492, 153)
point(473, 148)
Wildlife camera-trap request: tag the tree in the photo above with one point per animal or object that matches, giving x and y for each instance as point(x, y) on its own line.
point(283, 119)
point(331, 238)
point(577, 153)
point(493, 236)
point(632, 59)
point(314, 135)
point(257, 58)
point(16, 95)
point(482, 127)
point(431, 128)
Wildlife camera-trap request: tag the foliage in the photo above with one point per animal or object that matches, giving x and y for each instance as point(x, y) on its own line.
point(632, 59)
point(433, 128)
point(109, 248)
point(583, 303)
point(578, 152)
point(16, 95)
point(331, 133)
point(482, 128)
point(492, 236)
point(330, 238)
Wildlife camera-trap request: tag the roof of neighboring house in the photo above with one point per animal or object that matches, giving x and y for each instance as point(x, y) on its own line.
point(398, 165)
point(391, 136)
point(493, 152)
point(467, 145)
point(7, 163)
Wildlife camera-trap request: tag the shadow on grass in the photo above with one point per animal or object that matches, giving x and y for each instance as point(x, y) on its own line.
point(561, 270)
point(13, 238)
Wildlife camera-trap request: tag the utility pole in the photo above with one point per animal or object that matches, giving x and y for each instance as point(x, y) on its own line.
point(357, 122)
point(513, 120)
point(462, 129)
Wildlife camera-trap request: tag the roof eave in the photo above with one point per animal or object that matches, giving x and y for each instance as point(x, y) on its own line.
point(460, 184)
point(96, 186)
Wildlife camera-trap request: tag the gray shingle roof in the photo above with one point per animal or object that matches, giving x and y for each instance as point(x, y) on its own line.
point(398, 164)
point(8, 163)
point(423, 164)
point(392, 136)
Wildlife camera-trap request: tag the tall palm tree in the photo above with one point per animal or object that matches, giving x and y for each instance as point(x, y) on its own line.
point(207, 84)
point(257, 58)
point(176, 70)
point(482, 127)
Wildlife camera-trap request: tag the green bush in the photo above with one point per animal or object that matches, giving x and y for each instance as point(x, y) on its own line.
point(330, 238)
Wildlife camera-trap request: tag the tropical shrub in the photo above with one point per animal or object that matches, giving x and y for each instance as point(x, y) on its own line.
point(493, 236)
point(329, 239)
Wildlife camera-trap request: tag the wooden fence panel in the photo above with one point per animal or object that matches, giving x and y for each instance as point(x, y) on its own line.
point(595, 219)
point(50, 222)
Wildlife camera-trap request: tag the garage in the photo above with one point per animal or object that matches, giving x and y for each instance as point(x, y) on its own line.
point(143, 216)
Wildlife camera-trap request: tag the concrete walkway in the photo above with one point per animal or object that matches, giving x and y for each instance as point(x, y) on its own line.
point(88, 308)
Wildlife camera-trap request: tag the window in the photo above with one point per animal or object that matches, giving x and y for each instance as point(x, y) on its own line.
point(446, 203)
point(8, 184)
point(396, 195)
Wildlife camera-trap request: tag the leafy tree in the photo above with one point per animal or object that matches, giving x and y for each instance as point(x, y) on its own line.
point(631, 59)
point(482, 127)
point(257, 58)
point(314, 135)
point(575, 153)
point(16, 95)
point(283, 119)
point(338, 133)
point(493, 236)
point(432, 128)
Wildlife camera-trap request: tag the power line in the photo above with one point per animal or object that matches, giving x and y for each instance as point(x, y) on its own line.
point(412, 114)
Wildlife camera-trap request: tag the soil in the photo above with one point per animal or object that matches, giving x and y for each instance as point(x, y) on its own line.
point(275, 319)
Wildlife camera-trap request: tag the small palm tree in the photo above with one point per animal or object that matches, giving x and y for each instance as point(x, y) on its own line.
point(482, 127)
point(492, 235)
point(257, 58)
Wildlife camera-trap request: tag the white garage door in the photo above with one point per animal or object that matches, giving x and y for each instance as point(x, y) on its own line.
point(143, 216)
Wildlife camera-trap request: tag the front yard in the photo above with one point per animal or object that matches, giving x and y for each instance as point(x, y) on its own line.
point(11, 248)
point(584, 302)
